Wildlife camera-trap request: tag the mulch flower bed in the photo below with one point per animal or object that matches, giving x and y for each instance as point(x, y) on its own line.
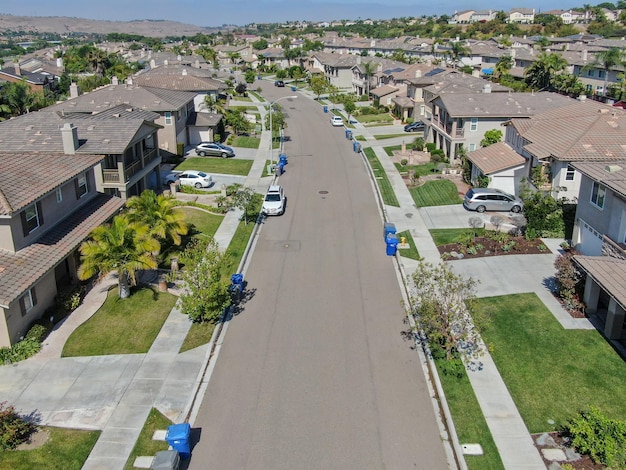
point(484, 246)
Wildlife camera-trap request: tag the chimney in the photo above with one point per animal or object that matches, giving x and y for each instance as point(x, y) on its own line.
point(69, 134)
point(129, 81)
point(358, 60)
point(18, 71)
point(60, 62)
point(475, 73)
point(74, 91)
point(197, 65)
point(487, 88)
point(166, 62)
point(179, 58)
point(152, 63)
point(114, 81)
point(418, 73)
point(184, 72)
point(582, 98)
point(585, 55)
point(373, 43)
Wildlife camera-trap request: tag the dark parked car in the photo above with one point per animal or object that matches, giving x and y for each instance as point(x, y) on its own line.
point(414, 126)
point(213, 149)
point(279, 83)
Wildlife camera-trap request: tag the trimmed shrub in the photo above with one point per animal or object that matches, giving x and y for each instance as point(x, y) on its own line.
point(14, 429)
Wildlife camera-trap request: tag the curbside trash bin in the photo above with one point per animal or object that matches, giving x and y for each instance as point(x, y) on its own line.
point(392, 244)
point(282, 159)
point(348, 134)
point(293, 88)
point(388, 228)
point(178, 437)
point(236, 287)
point(356, 146)
point(325, 109)
point(165, 460)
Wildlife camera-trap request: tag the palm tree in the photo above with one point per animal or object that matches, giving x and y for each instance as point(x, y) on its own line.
point(457, 50)
point(122, 247)
point(368, 68)
point(503, 66)
point(540, 74)
point(160, 213)
point(97, 58)
point(608, 60)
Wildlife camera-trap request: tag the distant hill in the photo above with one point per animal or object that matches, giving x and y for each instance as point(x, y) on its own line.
point(63, 24)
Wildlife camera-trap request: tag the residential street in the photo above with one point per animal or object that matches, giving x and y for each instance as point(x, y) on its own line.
point(315, 372)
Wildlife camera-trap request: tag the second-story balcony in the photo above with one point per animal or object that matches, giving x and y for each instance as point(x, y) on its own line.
point(447, 127)
point(124, 173)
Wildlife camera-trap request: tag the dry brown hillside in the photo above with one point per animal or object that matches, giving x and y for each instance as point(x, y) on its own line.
point(62, 24)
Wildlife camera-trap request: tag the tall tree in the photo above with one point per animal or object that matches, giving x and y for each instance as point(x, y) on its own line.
point(608, 60)
point(456, 51)
point(122, 247)
point(319, 85)
point(503, 66)
point(160, 213)
point(540, 74)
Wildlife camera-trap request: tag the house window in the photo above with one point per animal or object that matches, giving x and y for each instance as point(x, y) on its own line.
point(601, 73)
point(28, 301)
point(474, 124)
point(168, 117)
point(59, 195)
point(569, 173)
point(591, 73)
point(472, 147)
point(31, 218)
point(81, 186)
point(597, 195)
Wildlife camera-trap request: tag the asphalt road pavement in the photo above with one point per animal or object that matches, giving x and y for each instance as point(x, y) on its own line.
point(314, 372)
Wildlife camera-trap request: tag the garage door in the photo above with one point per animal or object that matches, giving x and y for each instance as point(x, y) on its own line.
point(590, 240)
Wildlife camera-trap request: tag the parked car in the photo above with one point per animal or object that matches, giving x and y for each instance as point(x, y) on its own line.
point(213, 149)
point(274, 201)
point(197, 179)
point(487, 199)
point(336, 120)
point(414, 126)
point(279, 83)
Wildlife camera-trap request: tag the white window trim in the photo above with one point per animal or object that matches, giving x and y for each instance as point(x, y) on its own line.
point(28, 301)
point(473, 124)
point(168, 118)
point(83, 178)
point(600, 188)
point(59, 194)
point(36, 217)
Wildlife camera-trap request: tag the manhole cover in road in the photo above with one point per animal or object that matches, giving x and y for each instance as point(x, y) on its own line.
point(408, 215)
point(322, 192)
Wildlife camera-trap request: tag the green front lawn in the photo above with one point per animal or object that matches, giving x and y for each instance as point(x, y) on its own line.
point(552, 373)
point(375, 118)
point(386, 190)
point(65, 449)
point(226, 166)
point(420, 170)
point(127, 326)
point(436, 193)
point(145, 445)
point(444, 236)
point(246, 142)
point(387, 136)
point(396, 148)
point(201, 222)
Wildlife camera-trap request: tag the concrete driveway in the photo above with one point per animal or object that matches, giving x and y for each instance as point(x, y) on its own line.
point(456, 216)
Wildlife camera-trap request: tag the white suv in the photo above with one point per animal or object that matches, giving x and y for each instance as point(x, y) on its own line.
point(336, 120)
point(274, 202)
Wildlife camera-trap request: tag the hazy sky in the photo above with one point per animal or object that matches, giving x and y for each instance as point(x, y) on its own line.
point(241, 12)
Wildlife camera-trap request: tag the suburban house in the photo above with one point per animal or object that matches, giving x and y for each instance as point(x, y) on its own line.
point(521, 15)
point(461, 119)
point(464, 16)
point(412, 105)
point(172, 106)
point(126, 137)
point(37, 81)
point(600, 235)
point(551, 141)
point(504, 167)
point(337, 68)
point(43, 220)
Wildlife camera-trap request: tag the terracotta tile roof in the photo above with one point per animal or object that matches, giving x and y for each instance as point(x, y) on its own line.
point(608, 272)
point(204, 119)
point(179, 81)
point(582, 131)
point(458, 82)
point(383, 90)
point(46, 171)
point(109, 132)
point(505, 105)
point(19, 271)
point(495, 157)
point(151, 99)
point(611, 173)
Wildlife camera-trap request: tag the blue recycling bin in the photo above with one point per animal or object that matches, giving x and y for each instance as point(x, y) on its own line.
point(177, 436)
point(236, 278)
point(348, 134)
point(356, 146)
point(388, 228)
point(392, 244)
point(282, 159)
point(293, 88)
point(325, 109)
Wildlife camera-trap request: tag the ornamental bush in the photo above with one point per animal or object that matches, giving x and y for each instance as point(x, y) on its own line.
point(14, 429)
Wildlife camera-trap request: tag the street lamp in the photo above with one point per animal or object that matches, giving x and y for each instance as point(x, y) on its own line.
point(271, 128)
